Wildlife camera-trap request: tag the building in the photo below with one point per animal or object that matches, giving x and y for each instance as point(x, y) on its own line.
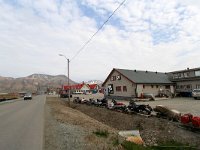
point(83, 88)
point(94, 88)
point(185, 80)
point(78, 88)
point(123, 83)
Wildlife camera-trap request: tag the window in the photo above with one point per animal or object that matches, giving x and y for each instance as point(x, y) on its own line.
point(197, 73)
point(167, 86)
point(151, 86)
point(198, 86)
point(118, 77)
point(175, 76)
point(124, 89)
point(118, 88)
point(113, 78)
point(188, 86)
point(143, 86)
point(180, 75)
point(156, 86)
point(186, 74)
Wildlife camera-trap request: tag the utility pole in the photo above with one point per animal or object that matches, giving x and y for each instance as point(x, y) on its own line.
point(68, 81)
point(67, 76)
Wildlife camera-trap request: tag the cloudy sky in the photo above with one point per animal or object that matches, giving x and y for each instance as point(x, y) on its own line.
point(154, 35)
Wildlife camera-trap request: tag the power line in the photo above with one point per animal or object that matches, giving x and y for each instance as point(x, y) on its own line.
point(88, 41)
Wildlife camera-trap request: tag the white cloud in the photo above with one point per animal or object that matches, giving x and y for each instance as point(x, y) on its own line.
point(143, 34)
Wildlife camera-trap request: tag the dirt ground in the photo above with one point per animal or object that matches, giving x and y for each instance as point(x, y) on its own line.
point(153, 130)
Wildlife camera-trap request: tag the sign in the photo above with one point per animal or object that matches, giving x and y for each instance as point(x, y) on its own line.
point(110, 89)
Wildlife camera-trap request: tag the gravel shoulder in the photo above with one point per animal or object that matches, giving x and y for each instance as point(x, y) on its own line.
point(67, 128)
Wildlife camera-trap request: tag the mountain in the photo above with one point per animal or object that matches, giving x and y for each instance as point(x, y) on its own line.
point(33, 83)
point(94, 82)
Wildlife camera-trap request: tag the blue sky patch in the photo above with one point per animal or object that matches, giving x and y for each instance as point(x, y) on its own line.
point(99, 18)
point(13, 3)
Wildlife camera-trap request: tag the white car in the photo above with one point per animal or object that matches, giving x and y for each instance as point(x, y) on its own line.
point(28, 96)
point(196, 93)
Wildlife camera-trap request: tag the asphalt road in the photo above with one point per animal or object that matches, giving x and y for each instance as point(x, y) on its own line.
point(21, 124)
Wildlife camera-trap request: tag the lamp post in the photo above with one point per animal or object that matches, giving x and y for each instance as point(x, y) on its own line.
point(67, 76)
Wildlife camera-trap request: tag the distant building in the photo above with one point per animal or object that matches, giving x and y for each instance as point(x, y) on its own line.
point(78, 88)
point(123, 83)
point(94, 88)
point(186, 80)
point(82, 88)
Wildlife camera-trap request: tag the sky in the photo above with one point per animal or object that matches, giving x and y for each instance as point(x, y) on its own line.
point(154, 35)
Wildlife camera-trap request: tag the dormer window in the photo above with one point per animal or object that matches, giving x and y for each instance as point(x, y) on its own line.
point(113, 78)
point(118, 77)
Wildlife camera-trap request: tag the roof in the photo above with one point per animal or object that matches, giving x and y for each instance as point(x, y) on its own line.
point(143, 77)
point(92, 86)
point(186, 70)
point(75, 86)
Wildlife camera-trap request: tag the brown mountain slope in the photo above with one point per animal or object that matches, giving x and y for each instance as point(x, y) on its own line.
point(33, 83)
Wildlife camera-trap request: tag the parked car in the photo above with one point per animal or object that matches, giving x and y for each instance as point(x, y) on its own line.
point(28, 96)
point(196, 93)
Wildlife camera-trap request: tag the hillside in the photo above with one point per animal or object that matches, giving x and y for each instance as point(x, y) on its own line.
point(34, 82)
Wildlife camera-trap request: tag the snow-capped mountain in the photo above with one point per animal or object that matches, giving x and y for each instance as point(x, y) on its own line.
point(94, 82)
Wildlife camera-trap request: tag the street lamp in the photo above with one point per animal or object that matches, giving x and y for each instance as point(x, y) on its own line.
point(67, 75)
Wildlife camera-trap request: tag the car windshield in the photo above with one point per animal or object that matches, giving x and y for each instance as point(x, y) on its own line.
point(28, 94)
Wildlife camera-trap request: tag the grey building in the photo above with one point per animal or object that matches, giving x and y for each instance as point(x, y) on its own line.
point(186, 80)
point(134, 83)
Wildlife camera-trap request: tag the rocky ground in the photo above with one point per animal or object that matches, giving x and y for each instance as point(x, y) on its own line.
point(73, 127)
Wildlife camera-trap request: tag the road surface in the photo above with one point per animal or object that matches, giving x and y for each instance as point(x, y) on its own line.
point(21, 124)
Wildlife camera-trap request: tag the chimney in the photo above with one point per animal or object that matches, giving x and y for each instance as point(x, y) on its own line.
point(188, 68)
point(156, 72)
point(135, 70)
point(146, 71)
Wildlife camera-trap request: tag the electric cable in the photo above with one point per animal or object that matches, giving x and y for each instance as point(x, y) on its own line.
point(88, 41)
